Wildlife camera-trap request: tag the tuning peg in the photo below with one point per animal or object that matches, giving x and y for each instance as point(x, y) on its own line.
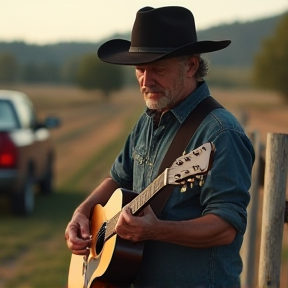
point(201, 181)
point(191, 182)
point(177, 176)
point(183, 188)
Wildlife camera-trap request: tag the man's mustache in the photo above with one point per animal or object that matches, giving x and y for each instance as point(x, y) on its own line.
point(147, 90)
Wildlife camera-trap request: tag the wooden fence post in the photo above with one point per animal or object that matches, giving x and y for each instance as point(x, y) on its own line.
point(273, 210)
point(248, 248)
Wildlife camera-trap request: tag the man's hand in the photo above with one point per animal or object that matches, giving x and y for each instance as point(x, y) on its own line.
point(137, 228)
point(77, 234)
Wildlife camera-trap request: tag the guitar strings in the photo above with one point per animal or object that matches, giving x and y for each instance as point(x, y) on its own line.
point(108, 232)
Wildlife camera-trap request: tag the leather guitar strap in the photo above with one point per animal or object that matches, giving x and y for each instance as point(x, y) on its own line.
point(178, 145)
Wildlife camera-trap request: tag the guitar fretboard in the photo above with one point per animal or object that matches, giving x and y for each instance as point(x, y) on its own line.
point(137, 203)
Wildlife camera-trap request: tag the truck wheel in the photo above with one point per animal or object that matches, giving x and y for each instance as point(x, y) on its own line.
point(23, 202)
point(46, 184)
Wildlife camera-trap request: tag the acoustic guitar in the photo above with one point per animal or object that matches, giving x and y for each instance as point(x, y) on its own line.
point(112, 261)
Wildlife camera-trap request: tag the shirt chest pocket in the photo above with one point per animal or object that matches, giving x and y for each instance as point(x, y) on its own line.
point(141, 169)
point(139, 156)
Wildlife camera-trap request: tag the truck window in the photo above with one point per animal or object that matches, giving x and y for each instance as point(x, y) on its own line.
point(8, 118)
point(26, 112)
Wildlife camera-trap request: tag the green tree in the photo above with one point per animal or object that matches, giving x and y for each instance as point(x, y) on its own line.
point(8, 67)
point(94, 74)
point(271, 63)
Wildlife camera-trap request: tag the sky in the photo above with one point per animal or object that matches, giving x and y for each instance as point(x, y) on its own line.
point(51, 21)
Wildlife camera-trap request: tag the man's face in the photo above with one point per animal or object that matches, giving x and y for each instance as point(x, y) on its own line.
point(163, 83)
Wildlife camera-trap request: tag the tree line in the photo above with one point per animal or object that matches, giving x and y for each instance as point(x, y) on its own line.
point(269, 69)
point(86, 71)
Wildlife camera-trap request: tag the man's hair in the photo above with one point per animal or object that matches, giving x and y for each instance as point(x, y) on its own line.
point(203, 68)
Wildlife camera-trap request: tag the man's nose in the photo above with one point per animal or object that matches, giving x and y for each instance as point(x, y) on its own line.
point(148, 79)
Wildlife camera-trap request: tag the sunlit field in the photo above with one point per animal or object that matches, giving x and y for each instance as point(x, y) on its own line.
point(33, 252)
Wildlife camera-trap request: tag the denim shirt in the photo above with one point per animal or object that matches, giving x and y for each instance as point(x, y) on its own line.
point(224, 193)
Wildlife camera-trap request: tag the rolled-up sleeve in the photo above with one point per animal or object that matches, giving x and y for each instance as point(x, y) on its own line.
point(226, 190)
point(122, 169)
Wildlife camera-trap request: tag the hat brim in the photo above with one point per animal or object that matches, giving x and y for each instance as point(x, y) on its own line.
point(116, 51)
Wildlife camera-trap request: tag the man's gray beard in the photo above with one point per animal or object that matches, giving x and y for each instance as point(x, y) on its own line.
point(159, 105)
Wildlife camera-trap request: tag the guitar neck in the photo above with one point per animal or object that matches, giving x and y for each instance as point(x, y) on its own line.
point(194, 164)
point(147, 194)
point(139, 202)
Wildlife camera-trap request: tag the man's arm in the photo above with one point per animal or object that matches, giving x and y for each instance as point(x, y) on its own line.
point(77, 233)
point(209, 230)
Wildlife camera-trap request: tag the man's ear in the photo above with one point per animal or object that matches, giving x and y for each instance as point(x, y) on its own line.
point(192, 66)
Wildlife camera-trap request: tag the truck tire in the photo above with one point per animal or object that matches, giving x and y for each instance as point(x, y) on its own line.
point(23, 203)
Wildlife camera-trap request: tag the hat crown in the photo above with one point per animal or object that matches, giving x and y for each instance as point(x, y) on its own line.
point(163, 28)
point(158, 34)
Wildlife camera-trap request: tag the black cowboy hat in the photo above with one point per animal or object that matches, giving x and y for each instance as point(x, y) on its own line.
point(158, 34)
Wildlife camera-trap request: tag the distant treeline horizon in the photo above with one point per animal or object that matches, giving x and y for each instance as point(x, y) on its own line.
point(52, 62)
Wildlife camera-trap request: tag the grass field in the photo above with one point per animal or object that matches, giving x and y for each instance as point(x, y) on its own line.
point(33, 252)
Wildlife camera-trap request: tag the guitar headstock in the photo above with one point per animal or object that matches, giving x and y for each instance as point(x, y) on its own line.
point(192, 165)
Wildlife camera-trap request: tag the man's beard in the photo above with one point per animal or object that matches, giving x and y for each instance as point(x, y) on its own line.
point(164, 102)
point(169, 97)
point(160, 104)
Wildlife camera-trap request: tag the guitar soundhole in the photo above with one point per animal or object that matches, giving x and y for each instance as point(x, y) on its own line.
point(100, 238)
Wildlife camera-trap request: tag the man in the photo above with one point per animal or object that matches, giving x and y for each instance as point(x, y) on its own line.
point(196, 240)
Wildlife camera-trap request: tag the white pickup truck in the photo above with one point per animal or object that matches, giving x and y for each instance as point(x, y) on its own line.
point(26, 151)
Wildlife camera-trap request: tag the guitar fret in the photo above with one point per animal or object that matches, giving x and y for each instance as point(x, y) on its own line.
point(111, 226)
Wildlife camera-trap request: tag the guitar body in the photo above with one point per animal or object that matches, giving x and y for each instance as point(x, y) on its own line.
point(113, 261)
point(117, 261)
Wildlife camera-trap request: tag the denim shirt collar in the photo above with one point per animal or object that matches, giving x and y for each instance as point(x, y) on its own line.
point(182, 111)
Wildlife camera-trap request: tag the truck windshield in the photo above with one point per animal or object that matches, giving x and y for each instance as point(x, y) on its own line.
point(7, 116)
